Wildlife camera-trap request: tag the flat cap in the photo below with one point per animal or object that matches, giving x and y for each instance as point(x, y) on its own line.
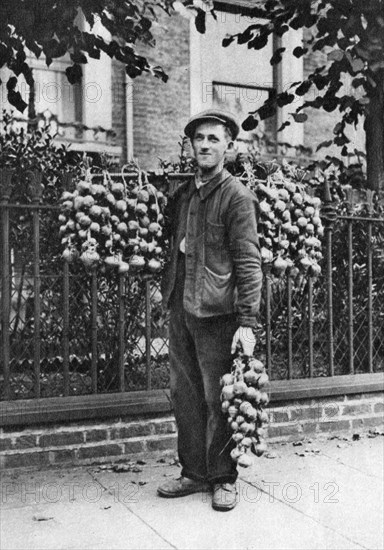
point(216, 115)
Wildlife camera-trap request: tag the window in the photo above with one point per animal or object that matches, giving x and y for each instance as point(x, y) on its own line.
point(240, 79)
point(80, 114)
point(240, 100)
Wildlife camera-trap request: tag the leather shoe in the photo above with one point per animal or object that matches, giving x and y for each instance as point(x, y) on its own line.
point(224, 496)
point(181, 487)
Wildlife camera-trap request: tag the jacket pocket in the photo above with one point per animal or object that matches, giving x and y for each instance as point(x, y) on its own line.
point(214, 233)
point(216, 254)
point(218, 293)
point(219, 280)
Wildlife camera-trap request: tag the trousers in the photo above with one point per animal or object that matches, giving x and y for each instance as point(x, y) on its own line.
point(200, 353)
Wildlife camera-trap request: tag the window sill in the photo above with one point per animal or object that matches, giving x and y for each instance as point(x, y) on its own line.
point(91, 146)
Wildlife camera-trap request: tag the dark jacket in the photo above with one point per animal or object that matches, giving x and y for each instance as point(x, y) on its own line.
point(222, 254)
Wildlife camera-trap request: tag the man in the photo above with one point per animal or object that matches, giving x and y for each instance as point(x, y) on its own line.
point(212, 287)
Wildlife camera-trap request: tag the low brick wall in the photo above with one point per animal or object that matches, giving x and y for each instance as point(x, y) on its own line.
point(315, 417)
point(126, 438)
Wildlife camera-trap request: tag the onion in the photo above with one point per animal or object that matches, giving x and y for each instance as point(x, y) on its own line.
point(95, 227)
point(260, 448)
point(225, 406)
point(244, 460)
point(227, 392)
point(227, 379)
point(143, 195)
point(123, 267)
point(154, 265)
point(239, 388)
point(112, 261)
point(121, 205)
point(256, 365)
point(137, 261)
point(263, 381)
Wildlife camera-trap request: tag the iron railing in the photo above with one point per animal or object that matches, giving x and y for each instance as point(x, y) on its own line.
point(65, 331)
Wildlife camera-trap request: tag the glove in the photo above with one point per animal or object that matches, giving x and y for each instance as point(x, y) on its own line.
point(246, 338)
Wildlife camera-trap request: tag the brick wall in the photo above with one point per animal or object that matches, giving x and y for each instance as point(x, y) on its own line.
point(160, 110)
point(82, 443)
point(120, 439)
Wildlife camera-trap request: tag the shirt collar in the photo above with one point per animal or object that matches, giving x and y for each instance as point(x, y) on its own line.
point(199, 183)
point(206, 188)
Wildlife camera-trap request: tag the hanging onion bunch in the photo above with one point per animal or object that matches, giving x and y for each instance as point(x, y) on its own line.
point(290, 228)
point(146, 228)
point(244, 396)
point(125, 220)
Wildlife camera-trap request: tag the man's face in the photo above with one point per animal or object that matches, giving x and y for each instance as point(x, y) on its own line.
point(210, 144)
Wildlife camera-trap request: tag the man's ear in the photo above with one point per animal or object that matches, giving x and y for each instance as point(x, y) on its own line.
point(230, 145)
point(190, 147)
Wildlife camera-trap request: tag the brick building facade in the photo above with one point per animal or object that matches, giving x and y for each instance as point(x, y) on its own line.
point(147, 116)
point(203, 74)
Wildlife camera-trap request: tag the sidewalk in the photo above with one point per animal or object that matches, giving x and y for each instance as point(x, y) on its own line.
point(315, 495)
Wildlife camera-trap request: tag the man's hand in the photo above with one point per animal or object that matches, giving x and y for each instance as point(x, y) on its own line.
point(244, 336)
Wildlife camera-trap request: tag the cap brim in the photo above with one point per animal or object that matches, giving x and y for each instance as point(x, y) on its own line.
point(190, 128)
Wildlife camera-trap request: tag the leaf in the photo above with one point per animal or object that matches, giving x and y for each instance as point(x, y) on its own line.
point(284, 125)
point(320, 81)
point(74, 73)
point(266, 111)
point(357, 65)
point(376, 66)
point(341, 140)
point(79, 57)
point(122, 468)
point(359, 81)
point(362, 52)
point(335, 55)
point(17, 101)
point(258, 42)
point(303, 88)
point(200, 21)
point(330, 104)
point(282, 30)
point(94, 53)
point(41, 517)
point(145, 23)
point(270, 454)
point(299, 51)
point(284, 99)
point(246, 36)
point(299, 117)
point(323, 144)
point(364, 100)
point(159, 73)
point(12, 83)
point(339, 127)
point(227, 41)
point(277, 56)
point(250, 123)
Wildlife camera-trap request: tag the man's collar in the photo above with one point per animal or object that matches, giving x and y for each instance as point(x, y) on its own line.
point(207, 188)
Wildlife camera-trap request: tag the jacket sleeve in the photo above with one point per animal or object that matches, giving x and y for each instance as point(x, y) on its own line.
point(245, 253)
point(170, 213)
